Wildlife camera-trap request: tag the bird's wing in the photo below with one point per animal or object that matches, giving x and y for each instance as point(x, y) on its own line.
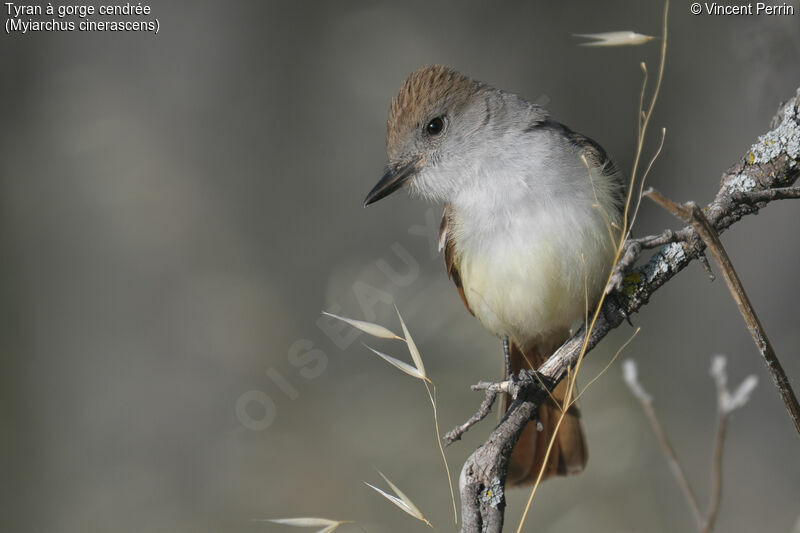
point(447, 244)
point(599, 159)
point(594, 153)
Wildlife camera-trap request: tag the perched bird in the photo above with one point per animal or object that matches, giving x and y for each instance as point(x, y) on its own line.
point(532, 212)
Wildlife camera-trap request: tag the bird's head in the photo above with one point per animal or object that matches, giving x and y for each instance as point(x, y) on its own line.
point(432, 123)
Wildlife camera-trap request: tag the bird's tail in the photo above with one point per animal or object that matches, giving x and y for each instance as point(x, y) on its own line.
point(569, 452)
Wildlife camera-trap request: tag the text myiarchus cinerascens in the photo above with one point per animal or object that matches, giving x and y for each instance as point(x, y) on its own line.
point(532, 212)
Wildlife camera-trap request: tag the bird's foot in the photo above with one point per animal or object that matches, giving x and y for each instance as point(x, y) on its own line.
point(616, 309)
point(530, 380)
point(507, 359)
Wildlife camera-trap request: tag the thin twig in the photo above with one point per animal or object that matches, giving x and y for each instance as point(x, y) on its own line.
point(726, 404)
point(706, 266)
point(716, 465)
point(644, 176)
point(494, 386)
point(757, 197)
point(674, 464)
point(608, 365)
point(646, 401)
point(486, 406)
point(640, 111)
point(689, 212)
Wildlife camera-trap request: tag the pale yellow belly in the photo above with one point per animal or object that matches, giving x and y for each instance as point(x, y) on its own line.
point(536, 290)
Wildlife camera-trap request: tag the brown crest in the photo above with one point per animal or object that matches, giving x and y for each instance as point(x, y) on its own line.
point(426, 93)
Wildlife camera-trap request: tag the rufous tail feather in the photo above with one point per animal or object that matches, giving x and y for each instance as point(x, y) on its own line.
point(569, 452)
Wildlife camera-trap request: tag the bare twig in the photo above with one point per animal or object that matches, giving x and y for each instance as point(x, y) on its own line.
point(689, 212)
point(757, 197)
point(486, 406)
point(716, 474)
point(718, 373)
point(630, 374)
point(706, 265)
point(726, 403)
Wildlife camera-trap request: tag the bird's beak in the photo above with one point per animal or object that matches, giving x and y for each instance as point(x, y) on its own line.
point(393, 179)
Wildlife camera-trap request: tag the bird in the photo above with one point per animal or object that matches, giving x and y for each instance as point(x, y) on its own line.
point(532, 215)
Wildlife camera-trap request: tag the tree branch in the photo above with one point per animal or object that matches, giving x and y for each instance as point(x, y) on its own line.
point(771, 164)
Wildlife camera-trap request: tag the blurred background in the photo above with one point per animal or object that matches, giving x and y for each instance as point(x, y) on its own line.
point(176, 210)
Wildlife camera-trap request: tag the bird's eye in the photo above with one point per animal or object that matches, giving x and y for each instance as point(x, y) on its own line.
point(435, 126)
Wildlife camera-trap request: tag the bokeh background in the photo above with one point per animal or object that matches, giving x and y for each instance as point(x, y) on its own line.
point(176, 210)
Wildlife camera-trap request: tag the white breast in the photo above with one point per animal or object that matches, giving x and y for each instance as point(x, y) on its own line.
point(534, 253)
